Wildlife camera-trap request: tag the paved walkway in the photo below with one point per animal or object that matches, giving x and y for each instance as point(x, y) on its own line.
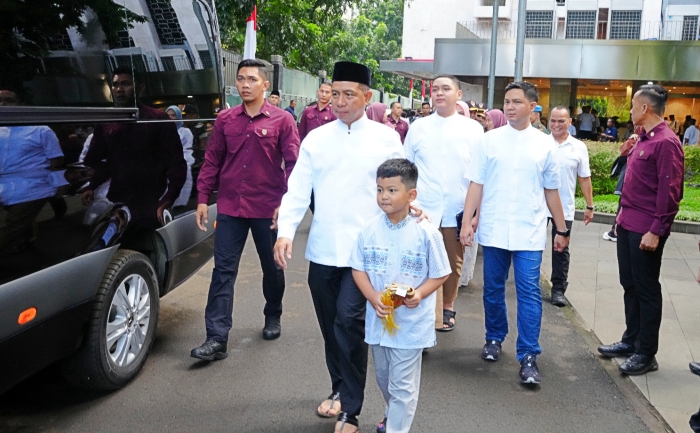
point(595, 292)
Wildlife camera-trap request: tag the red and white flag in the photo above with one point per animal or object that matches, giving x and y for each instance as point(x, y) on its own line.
point(251, 30)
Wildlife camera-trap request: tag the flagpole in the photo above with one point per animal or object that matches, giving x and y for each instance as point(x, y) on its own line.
point(251, 29)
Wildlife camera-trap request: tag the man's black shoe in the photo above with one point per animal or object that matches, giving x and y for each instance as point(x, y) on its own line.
point(616, 349)
point(558, 298)
point(639, 364)
point(695, 367)
point(210, 351)
point(272, 329)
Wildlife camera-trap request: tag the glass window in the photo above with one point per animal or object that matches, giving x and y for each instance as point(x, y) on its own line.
point(625, 24)
point(538, 24)
point(580, 25)
point(690, 28)
point(62, 63)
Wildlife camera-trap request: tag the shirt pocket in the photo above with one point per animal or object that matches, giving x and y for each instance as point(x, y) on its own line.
point(267, 134)
point(413, 264)
point(234, 137)
point(375, 259)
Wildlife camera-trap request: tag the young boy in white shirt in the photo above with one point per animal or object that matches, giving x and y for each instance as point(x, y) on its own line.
point(394, 248)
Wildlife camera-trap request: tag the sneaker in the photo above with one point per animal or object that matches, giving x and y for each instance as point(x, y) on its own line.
point(491, 351)
point(529, 373)
point(610, 236)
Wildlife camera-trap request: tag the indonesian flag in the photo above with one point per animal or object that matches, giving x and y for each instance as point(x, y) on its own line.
point(251, 30)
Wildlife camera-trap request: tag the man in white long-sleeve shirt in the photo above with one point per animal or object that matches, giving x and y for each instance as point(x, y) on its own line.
point(441, 145)
point(339, 162)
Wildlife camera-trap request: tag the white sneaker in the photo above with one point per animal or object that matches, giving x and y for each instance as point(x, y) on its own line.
point(608, 237)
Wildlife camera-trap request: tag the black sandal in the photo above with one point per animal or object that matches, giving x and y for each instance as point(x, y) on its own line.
point(447, 315)
point(345, 418)
point(381, 427)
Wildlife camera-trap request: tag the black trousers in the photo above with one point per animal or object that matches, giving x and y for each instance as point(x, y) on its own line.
point(585, 135)
point(639, 277)
point(229, 240)
point(340, 309)
point(20, 222)
point(560, 263)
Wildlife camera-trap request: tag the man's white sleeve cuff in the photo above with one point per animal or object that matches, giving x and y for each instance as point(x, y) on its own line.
point(285, 232)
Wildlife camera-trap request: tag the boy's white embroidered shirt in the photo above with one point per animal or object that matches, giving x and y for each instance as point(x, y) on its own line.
point(404, 253)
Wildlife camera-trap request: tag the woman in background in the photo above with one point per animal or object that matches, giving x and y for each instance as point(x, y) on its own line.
point(377, 111)
point(495, 119)
point(187, 139)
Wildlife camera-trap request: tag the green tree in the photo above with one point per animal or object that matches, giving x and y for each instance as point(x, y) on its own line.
point(375, 35)
point(313, 35)
point(27, 29)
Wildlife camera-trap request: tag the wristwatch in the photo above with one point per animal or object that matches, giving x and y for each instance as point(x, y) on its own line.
point(564, 234)
point(590, 207)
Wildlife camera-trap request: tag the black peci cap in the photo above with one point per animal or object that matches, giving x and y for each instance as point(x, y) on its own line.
point(350, 71)
point(275, 93)
point(190, 108)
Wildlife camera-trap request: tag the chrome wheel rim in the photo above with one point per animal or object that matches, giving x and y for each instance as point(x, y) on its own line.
point(128, 320)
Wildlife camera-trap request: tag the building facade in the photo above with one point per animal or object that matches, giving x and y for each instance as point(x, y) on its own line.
point(578, 52)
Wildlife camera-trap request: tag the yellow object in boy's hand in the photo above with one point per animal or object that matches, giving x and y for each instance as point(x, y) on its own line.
point(394, 296)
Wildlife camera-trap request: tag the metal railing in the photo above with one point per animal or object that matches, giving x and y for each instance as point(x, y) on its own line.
point(631, 30)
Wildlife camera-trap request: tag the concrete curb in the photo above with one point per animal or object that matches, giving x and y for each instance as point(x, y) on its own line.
point(678, 226)
point(639, 403)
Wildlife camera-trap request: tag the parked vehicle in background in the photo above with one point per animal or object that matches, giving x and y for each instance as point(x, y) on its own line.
point(81, 284)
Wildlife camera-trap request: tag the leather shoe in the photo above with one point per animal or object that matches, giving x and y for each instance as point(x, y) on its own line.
point(695, 367)
point(210, 351)
point(272, 329)
point(558, 298)
point(616, 349)
point(639, 364)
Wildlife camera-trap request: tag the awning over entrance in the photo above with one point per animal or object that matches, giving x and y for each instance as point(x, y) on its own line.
point(557, 58)
point(416, 69)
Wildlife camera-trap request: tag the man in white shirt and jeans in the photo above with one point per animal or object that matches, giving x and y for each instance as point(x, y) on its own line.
point(441, 145)
point(514, 180)
point(573, 162)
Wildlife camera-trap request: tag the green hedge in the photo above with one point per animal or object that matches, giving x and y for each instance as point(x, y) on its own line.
point(692, 164)
point(602, 156)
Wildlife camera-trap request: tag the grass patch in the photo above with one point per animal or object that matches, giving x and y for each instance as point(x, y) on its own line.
point(689, 207)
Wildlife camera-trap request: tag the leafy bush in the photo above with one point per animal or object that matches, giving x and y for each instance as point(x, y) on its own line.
point(602, 155)
point(692, 164)
point(601, 158)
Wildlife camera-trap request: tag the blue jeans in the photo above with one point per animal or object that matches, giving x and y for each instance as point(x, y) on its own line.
point(526, 267)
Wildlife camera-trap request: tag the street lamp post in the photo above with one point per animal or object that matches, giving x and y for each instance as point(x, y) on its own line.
point(492, 65)
point(520, 41)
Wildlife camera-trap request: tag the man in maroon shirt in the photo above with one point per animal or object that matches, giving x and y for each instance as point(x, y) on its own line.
point(317, 114)
point(244, 158)
point(649, 202)
point(395, 121)
point(144, 160)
